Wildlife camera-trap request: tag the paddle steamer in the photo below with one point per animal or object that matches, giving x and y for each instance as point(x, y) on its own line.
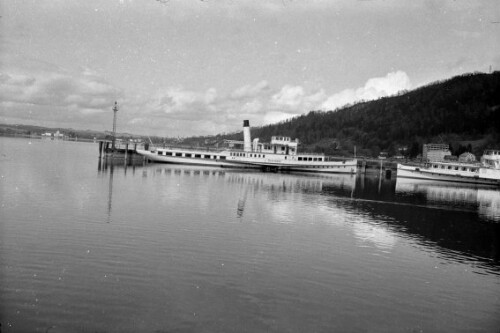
point(281, 154)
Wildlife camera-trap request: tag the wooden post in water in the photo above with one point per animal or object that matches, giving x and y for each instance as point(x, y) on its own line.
point(115, 110)
point(126, 153)
point(101, 144)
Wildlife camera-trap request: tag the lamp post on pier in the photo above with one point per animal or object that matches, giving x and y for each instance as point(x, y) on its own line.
point(115, 110)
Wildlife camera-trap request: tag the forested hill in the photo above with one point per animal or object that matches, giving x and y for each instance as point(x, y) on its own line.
point(463, 111)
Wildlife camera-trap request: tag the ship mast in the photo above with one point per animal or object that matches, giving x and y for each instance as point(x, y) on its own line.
point(115, 110)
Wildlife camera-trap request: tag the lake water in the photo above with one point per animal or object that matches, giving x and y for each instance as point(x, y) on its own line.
point(88, 247)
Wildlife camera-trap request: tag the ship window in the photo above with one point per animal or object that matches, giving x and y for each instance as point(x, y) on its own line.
point(300, 158)
point(189, 155)
point(197, 156)
point(456, 168)
point(207, 156)
point(310, 159)
point(222, 157)
point(464, 169)
point(168, 153)
point(449, 167)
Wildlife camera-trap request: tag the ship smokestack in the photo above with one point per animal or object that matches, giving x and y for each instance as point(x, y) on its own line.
point(247, 146)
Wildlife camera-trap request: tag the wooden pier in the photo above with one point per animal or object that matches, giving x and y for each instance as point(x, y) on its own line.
point(120, 152)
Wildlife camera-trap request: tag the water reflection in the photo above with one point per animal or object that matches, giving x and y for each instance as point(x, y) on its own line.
point(485, 200)
point(456, 222)
point(108, 165)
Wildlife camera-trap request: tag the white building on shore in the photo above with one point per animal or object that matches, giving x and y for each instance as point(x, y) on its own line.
point(435, 152)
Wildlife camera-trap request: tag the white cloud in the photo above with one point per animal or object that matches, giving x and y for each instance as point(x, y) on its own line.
point(182, 103)
point(84, 99)
point(250, 91)
point(275, 117)
point(57, 89)
point(254, 106)
point(288, 97)
point(374, 88)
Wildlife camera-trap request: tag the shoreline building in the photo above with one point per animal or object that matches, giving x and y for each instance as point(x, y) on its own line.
point(435, 152)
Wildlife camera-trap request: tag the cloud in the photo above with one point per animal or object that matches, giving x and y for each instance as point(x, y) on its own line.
point(374, 88)
point(273, 117)
point(288, 97)
point(80, 91)
point(185, 104)
point(254, 106)
point(52, 96)
point(250, 91)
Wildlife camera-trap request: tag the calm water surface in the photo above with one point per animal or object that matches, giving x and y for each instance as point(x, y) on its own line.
point(88, 247)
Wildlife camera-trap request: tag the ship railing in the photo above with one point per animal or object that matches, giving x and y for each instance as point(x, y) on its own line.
point(190, 148)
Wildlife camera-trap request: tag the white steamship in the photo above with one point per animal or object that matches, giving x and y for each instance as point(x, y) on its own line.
point(281, 154)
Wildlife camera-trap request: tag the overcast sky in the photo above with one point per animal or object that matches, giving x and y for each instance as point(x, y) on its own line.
point(193, 67)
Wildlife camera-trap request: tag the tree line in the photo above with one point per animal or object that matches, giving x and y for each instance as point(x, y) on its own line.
point(463, 111)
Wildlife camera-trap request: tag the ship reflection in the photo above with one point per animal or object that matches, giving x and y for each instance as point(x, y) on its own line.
point(106, 165)
point(485, 200)
point(459, 222)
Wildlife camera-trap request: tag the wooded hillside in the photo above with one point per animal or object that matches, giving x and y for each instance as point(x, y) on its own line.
point(462, 111)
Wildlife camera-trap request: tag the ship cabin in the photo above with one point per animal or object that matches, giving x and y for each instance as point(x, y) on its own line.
point(281, 145)
point(491, 158)
point(453, 168)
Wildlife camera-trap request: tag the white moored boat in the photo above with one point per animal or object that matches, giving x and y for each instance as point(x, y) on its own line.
point(486, 173)
point(188, 156)
point(280, 154)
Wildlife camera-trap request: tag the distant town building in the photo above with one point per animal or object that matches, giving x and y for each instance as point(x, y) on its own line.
point(56, 135)
point(467, 158)
point(435, 152)
point(383, 155)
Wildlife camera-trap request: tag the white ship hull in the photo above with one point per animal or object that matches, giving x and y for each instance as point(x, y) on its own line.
point(482, 176)
point(191, 157)
point(278, 155)
point(224, 159)
point(278, 162)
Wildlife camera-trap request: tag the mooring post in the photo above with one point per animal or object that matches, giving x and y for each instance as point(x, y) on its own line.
point(115, 110)
point(100, 148)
